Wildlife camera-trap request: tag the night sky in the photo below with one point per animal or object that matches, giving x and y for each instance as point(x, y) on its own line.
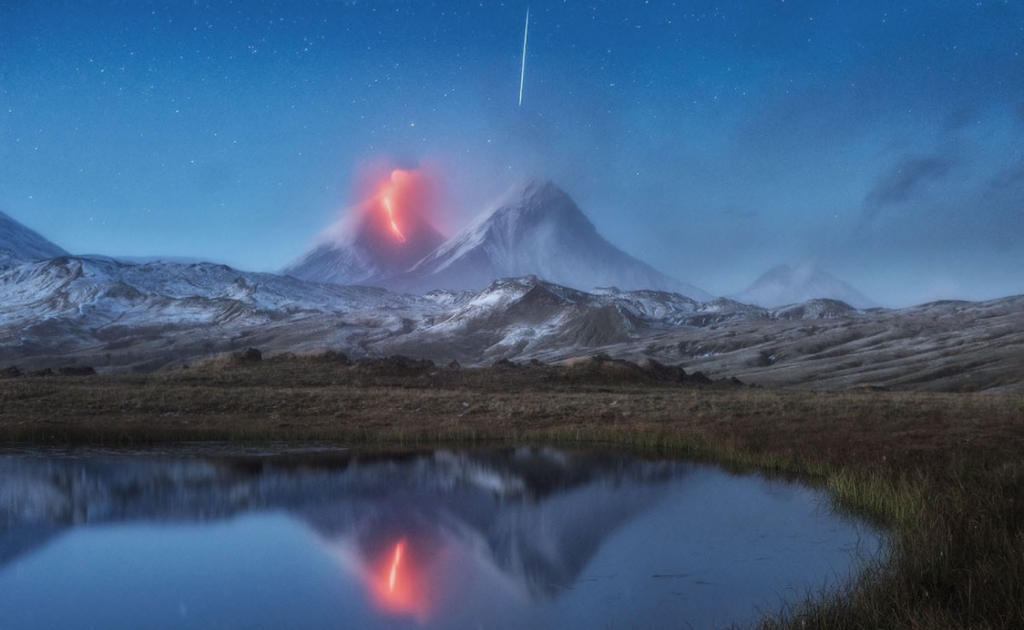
point(880, 140)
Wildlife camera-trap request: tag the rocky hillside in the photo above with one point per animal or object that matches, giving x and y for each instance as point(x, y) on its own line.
point(110, 315)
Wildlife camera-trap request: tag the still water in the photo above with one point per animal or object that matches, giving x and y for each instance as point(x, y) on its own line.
point(527, 538)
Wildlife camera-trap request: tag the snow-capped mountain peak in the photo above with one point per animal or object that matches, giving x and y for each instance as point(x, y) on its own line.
point(535, 229)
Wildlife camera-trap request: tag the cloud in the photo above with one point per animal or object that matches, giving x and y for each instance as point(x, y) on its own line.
point(904, 180)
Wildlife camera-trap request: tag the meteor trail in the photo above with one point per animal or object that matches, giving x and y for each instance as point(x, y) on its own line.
point(522, 73)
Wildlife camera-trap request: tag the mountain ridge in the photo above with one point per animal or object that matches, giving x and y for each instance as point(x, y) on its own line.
point(116, 316)
point(19, 243)
point(111, 314)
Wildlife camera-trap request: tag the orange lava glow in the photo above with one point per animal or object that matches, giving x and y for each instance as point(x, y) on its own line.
point(400, 205)
point(394, 567)
point(398, 587)
point(391, 218)
point(397, 195)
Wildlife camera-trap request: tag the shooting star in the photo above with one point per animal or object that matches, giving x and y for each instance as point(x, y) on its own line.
point(522, 72)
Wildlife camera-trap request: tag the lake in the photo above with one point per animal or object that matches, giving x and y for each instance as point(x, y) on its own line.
point(318, 537)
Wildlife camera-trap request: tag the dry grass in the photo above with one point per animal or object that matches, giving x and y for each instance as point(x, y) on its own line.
point(943, 471)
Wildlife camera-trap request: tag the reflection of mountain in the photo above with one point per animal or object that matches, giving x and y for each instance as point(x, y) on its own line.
point(534, 516)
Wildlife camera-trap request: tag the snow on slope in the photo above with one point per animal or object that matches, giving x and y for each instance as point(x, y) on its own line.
point(334, 263)
point(537, 230)
point(524, 316)
point(815, 309)
point(71, 305)
point(103, 291)
point(117, 316)
point(18, 243)
point(787, 285)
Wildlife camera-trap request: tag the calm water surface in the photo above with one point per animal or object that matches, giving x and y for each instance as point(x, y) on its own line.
point(529, 538)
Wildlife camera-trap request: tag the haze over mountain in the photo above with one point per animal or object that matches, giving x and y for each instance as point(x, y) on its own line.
point(19, 243)
point(784, 285)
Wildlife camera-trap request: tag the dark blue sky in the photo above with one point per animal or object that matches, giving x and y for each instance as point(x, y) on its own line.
point(713, 139)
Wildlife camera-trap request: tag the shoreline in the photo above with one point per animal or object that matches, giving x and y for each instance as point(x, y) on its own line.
point(942, 473)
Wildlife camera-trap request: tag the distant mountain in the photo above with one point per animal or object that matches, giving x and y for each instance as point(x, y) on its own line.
point(537, 230)
point(786, 285)
point(19, 243)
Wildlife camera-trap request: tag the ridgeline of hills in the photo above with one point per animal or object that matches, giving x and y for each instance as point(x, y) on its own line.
point(792, 327)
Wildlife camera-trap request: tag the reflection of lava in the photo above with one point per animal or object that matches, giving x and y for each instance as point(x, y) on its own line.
point(394, 566)
point(398, 586)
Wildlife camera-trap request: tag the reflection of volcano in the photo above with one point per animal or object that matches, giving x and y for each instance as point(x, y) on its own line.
point(405, 525)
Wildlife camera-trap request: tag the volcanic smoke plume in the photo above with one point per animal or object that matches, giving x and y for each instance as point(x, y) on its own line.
point(386, 233)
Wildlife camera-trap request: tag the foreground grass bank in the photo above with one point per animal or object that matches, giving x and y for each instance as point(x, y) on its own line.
point(944, 472)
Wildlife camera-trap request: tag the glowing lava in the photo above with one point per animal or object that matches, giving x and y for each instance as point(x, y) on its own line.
point(399, 189)
point(394, 226)
point(396, 561)
point(391, 217)
point(398, 585)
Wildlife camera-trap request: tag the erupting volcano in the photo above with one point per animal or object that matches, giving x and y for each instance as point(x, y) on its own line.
point(386, 233)
point(536, 229)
